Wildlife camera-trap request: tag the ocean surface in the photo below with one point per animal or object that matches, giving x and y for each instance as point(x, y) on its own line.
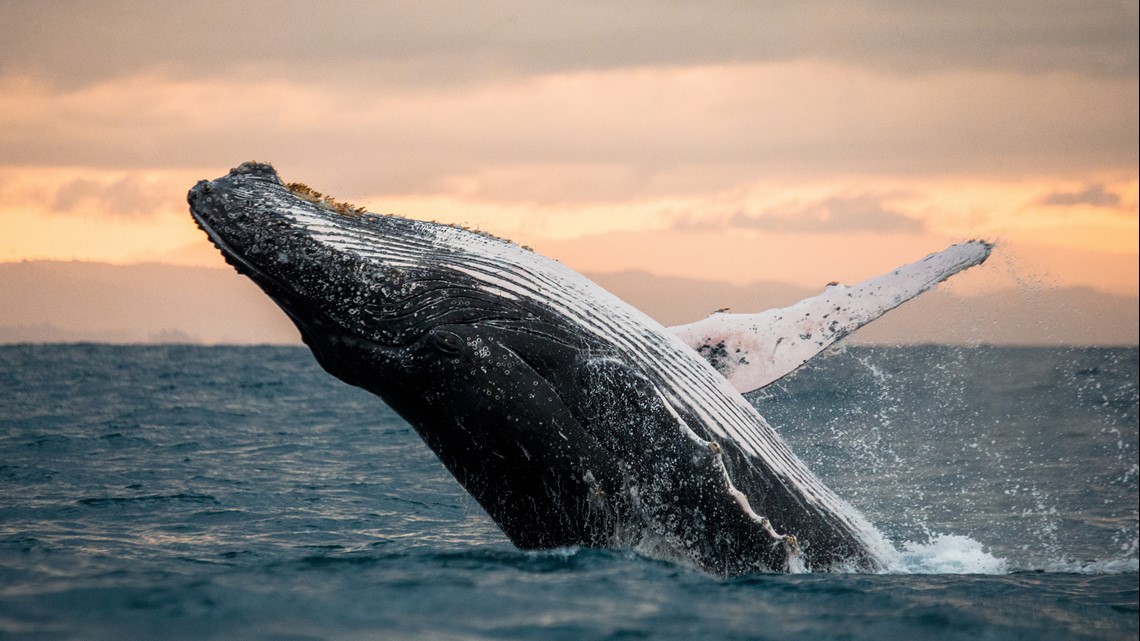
point(181, 492)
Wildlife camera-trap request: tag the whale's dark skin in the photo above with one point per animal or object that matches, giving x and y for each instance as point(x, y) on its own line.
point(563, 434)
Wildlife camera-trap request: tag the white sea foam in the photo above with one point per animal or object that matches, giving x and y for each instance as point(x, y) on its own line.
point(947, 554)
point(956, 554)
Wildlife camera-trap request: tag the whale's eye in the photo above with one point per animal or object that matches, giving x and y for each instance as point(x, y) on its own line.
point(447, 342)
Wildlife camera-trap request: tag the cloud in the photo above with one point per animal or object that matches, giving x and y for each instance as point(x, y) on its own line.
point(726, 124)
point(125, 197)
point(1095, 195)
point(439, 42)
point(834, 215)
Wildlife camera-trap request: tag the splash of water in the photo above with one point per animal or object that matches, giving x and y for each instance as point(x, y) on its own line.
point(947, 554)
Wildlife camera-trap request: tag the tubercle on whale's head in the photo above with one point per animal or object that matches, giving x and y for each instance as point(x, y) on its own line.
point(266, 171)
point(303, 191)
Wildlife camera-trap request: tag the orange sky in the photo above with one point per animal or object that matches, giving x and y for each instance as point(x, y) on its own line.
point(738, 143)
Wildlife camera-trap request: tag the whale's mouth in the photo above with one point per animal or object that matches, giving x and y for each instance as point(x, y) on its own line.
point(279, 290)
point(232, 257)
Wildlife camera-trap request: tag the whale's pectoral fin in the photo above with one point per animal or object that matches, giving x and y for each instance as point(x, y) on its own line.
point(674, 481)
point(753, 350)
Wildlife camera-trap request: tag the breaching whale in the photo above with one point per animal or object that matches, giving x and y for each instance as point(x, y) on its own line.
point(571, 417)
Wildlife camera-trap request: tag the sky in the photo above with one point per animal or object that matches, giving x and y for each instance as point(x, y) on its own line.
point(738, 141)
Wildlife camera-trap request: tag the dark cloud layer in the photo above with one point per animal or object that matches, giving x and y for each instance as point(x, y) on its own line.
point(439, 42)
point(719, 128)
point(404, 97)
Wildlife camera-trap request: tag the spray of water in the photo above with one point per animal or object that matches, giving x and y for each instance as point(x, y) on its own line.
point(976, 459)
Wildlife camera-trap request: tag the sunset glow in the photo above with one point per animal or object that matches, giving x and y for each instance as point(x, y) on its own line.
point(799, 153)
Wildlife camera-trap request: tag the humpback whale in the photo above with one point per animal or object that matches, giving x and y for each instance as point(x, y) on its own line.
point(571, 417)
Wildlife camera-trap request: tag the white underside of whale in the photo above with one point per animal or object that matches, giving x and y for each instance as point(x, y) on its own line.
point(753, 350)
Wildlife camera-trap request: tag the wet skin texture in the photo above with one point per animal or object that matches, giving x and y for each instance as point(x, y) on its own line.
point(556, 431)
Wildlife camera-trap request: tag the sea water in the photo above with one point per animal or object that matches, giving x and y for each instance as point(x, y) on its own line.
point(181, 492)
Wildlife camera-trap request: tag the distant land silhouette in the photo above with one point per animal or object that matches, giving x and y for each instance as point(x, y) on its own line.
point(48, 301)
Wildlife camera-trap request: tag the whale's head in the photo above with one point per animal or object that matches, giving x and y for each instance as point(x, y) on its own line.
point(436, 320)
